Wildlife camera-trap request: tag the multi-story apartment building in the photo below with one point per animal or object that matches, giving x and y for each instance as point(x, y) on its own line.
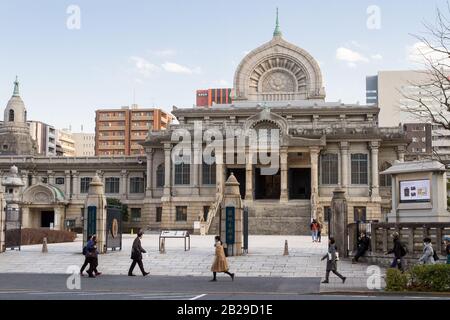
point(84, 144)
point(118, 132)
point(45, 137)
point(65, 139)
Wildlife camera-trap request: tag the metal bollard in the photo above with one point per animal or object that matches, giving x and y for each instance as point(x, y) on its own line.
point(286, 249)
point(44, 245)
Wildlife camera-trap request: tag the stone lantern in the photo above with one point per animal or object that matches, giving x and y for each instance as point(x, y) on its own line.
point(232, 217)
point(9, 202)
point(94, 221)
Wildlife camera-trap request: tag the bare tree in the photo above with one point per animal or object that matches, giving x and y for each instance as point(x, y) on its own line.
point(429, 101)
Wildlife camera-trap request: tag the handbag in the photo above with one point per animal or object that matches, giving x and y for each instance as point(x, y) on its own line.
point(336, 255)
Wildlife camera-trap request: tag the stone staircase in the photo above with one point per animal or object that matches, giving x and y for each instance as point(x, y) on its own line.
point(279, 218)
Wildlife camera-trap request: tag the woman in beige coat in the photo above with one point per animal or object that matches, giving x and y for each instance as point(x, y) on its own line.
point(220, 261)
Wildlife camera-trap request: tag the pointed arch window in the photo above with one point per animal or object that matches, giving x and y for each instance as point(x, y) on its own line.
point(11, 116)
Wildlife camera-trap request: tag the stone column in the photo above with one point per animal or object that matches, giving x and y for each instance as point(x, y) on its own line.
point(148, 189)
point(67, 184)
point(26, 218)
point(50, 177)
point(195, 161)
point(2, 221)
point(123, 184)
point(314, 155)
point(338, 225)
point(249, 174)
point(344, 164)
point(374, 163)
point(401, 153)
point(314, 158)
point(58, 225)
point(284, 196)
point(220, 172)
point(76, 184)
point(168, 169)
point(34, 179)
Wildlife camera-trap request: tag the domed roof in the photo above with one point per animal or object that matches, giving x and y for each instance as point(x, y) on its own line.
point(277, 71)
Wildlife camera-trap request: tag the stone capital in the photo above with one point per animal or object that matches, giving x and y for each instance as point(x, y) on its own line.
point(374, 145)
point(344, 145)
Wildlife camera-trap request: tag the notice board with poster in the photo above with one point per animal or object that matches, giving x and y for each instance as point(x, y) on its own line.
point(415, 191)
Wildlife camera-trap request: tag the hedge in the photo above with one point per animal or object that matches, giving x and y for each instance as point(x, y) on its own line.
point(433, 278)
point(36, 236)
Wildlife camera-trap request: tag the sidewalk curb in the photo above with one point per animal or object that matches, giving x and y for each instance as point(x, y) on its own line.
point(386, 293)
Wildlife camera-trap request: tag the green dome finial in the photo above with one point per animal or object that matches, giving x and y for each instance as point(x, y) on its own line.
point(277, 31)
point(16, 88)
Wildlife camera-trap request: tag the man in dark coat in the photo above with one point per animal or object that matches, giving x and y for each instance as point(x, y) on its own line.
point(399, 252)
point(136, 255)
point(363, 245)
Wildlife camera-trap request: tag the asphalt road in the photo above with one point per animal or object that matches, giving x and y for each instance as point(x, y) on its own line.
point(54, 287)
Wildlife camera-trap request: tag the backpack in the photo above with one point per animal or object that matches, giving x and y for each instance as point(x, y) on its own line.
point(85, 250)
point(435, 255)
point(403, 250)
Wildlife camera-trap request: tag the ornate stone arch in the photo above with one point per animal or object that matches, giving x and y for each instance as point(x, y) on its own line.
point(42, 194)
point(267, 117)
point(278, 70)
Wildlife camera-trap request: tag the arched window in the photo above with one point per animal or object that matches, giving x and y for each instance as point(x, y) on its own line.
point(160, 176)
point(385, 179)
point(11, 115)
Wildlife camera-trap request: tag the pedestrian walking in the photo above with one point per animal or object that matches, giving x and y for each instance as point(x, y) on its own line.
point(319, 232)
point(92, 256)
point(332, 257)
point(428, 252)
point(399, 251)
point(85, 251)
point(136, 255)
point(220, 263)
point(363, 245)
point(447, 248)
point(314, 230)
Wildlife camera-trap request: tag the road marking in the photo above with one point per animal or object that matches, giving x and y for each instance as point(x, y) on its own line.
point(198, 297)
point(183, 297)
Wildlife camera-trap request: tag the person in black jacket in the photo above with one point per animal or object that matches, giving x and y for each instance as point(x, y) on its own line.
point(92, 257)
point(399, 252)
point(363, 245)
point(136, 255)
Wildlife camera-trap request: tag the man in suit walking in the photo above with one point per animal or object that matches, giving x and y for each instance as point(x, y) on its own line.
point(136, 255)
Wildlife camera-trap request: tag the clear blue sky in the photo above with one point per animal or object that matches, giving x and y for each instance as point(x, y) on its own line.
point(165, 50)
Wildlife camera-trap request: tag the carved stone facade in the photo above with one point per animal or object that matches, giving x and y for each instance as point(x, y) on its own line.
point(322, 146)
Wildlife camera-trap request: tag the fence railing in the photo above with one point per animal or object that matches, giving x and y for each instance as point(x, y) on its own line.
point(411, 234)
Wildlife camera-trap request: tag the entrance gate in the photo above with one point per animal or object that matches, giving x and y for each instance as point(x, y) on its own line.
point(13, 228)
point(113, 228)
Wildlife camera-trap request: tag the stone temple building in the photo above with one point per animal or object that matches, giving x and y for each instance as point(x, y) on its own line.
point(278, 87)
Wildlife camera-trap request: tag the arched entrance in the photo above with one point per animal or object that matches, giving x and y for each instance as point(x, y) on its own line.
point(43, 206)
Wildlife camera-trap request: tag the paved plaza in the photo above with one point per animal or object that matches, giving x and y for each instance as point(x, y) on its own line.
point(264, 259)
